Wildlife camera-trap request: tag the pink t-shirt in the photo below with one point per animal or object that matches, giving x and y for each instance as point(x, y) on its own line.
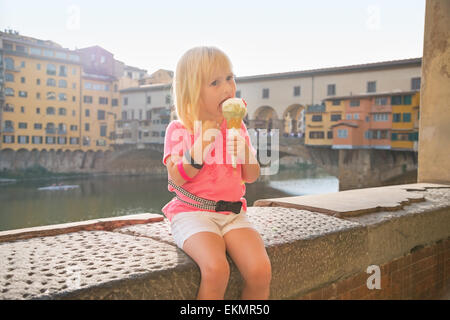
point(217, 180)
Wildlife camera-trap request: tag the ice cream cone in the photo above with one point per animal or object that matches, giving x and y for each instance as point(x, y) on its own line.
point(234, 111)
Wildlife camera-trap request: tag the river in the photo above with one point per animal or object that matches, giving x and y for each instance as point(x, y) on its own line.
point(22, 205)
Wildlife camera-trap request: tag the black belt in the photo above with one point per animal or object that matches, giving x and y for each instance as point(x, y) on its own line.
point(221, 205)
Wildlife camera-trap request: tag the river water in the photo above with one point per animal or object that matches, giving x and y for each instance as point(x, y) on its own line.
point(22, 205)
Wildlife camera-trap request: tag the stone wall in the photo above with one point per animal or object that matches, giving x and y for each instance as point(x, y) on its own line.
point(404, 230)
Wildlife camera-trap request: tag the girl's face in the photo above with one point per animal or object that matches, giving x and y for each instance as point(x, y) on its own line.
point(220, 87)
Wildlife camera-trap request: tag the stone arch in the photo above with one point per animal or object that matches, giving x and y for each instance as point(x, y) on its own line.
point(294, 120)
point(34, 158)
point(265, 117)
point(21, 160)
point(7, 159)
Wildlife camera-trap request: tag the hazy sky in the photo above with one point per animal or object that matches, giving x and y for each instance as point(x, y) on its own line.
point(259, 36)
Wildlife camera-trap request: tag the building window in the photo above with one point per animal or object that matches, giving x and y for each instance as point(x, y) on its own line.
point(379, 117)
point(50, 140)
point(87, 113)
point(9, 108)
point(124, 115)
point(63, 71)
point(103, 100)
point(9, 77)
point(407, 117)
point(149, 99)
point(73, 127)
point(48, 53)
point(62, 83)
point(336, 102)
point(381, 101)
point(62, 97)
point(50, 110)
point(51, 95)
point(342, 133)
point(125, 101)
point(35, 51)
point(100, 115)
point(23, 139)
point(86, 127)
point(356, 116)
point(368, 134)
point(354, 103)
point(87, 99)
point(9, 64)
point(8, 139)
point(38, 110)
point(23, 94)
point(50, 128)
point(51, 82)
point(8, 46)
point(348, 116)
point(22, 125)
point(415, 83)
point(9, 92)
point(396, 117)
point(74, 141)
point(102, 131)
point(371, 86)
point(60, 55)
point(396, 100)
point(296, 91)
point(114, 102)
point(316, 135)
point(51, 69)
point(335, 117)
point(331, 89)
point(330, 135)
point(22, 79)
point(38, 126)
point(62, 111)
point(407, 100)
point(38, 66)
point(265, 93)
point(62, 140)
point(38, 81)
point(316, 118)
point(38, 95)
point(168, 99)
point(36, 140)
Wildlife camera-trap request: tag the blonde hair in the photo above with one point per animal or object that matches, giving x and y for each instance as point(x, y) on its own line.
point(194, 68)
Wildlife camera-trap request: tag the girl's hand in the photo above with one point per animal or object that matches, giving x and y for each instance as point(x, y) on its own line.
point(236, 146)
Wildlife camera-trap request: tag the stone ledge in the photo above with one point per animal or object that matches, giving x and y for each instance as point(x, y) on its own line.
point(88, 225)
point(355, 202)
point(307, 249)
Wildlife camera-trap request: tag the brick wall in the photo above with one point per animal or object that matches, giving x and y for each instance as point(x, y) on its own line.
point(424, 273)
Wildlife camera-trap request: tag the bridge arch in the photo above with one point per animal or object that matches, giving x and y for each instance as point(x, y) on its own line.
point(294, 120)
point(265, 117)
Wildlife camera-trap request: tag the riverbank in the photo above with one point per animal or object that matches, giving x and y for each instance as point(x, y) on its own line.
point(40, 173)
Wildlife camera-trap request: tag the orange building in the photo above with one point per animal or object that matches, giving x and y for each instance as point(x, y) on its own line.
point(372, 120)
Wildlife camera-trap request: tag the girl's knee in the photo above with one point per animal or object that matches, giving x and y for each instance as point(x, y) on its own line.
point(215, 270)
point(260, 273)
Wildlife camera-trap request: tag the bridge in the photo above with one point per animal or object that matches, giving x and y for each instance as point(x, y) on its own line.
point(355, 168)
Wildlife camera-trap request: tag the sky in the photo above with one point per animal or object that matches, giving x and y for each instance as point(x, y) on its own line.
point(260, 36)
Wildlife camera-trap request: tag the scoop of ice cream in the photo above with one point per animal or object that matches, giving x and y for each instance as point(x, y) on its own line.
point(234, 108)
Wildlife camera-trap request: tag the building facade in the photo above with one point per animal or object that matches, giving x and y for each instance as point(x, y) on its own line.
point(41, 95)
point(146, 112)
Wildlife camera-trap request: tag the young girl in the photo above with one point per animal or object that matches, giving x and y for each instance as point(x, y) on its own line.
point(208, 215)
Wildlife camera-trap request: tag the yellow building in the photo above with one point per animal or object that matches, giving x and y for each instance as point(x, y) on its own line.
point(99, 111)
point(41, 92)
point(56, 98)
point(405, 120)
point(317, 126)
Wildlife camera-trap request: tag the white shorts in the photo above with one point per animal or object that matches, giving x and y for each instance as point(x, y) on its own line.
point(186, 224)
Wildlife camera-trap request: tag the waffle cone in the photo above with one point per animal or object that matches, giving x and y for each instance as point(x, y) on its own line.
point(234, 123)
